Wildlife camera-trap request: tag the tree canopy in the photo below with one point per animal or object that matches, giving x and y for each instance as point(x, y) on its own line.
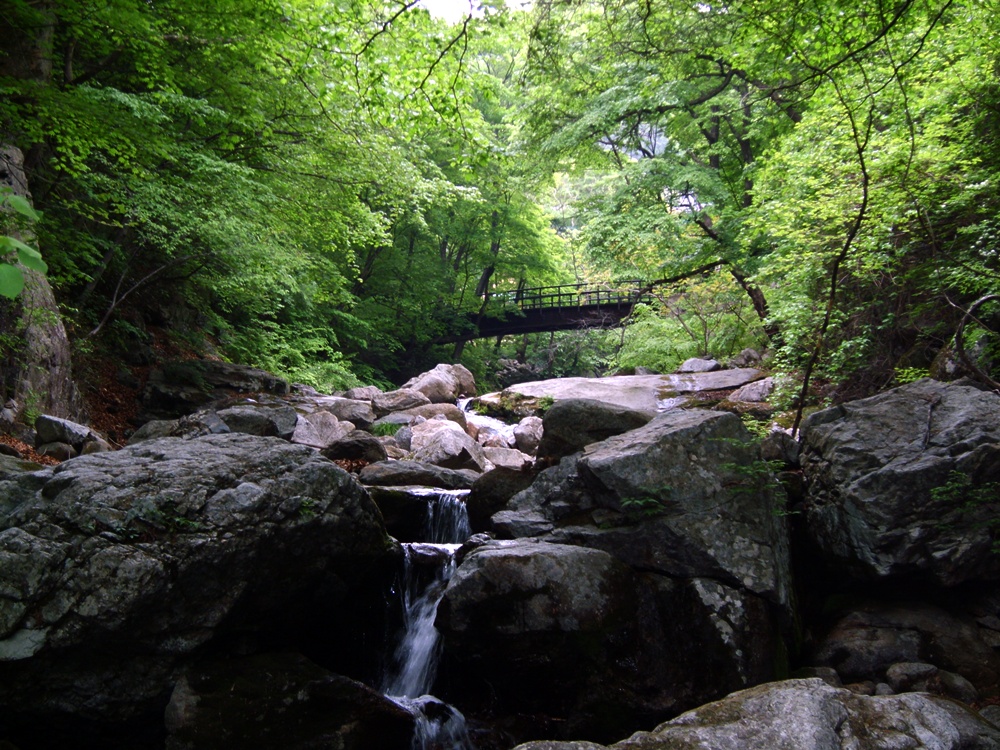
point(329, 189)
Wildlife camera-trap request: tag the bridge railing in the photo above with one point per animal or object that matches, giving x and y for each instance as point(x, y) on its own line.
point(570, 295)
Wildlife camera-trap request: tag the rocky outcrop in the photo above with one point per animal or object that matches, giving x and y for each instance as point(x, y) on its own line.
point(684, 496)
point(636, 392)
point(36, 374)
point(444, 384)
point(570, 425)
point(176, 389)
point(703, 586)
point(117, 567)
point(280, 700)
point(902, 486)
point(811, 715)
point(574, 634)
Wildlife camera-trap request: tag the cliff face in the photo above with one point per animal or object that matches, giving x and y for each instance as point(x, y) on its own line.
point(35, 363)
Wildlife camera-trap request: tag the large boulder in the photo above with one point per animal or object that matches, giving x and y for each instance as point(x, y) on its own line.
point(684, 495)
point(266, 421)
point(115, 568)
point(444, 384)
point(811, 715)
point(443, 443)
point(320, 430)
point(573, 634)
point(400, 473)
point(571, 424)
point(280, 700)
point(400, 400)
point(175, 389)
point(528, 434)
point(357, 411)
point(357, 445)
point(638, 392)
point(902, 486)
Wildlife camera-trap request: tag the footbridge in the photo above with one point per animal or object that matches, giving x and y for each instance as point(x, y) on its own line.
point(554, 308)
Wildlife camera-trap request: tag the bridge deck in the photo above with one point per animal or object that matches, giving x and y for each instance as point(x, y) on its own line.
point(554, 308)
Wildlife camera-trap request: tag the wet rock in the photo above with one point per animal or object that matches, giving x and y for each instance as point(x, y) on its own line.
point(491, 492)
point(400, 473)
point(574, 634)
point(280, 700)
point(890, 479)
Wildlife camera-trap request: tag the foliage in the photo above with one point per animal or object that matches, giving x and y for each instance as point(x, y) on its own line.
point(11, 278)
point(383, 429)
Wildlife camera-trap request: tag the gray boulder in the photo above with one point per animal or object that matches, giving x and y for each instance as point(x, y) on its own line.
point(49, 429)
point(901, 485)
point(696, 364)
point(528, 434)
point(265, 421)
point(443, 443)
point(404, 398)
point(194, 425)
point(357, 411)
point(571, 424)
point(510, 458)
point(759, 390)
point(363, 393)
point(492, 491)
point(685, 495)
point(400, 473)
point(320, 430)
point(429, 411)
point(444, 384)
point(357, 446)
point(811, 715)
point(572, 633)
point(116, 567)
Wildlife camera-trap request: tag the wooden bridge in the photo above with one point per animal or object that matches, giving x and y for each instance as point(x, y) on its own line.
point(554, 308)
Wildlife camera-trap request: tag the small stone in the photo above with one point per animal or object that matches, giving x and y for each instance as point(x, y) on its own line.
point(883, 689)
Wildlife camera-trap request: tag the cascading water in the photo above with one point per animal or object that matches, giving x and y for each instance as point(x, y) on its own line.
point(427, 568)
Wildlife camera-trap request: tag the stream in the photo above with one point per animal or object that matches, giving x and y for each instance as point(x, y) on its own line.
point(427, 568)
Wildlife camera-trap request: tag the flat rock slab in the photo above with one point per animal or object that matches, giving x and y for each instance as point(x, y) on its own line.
point(643, 392)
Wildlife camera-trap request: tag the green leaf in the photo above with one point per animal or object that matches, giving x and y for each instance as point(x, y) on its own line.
point(11, 281)
point(23, 207)
point(31, 258)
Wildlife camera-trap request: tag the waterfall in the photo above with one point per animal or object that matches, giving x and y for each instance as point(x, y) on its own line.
point(427, 568)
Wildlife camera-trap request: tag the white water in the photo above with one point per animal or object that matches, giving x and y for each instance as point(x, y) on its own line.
point(505, 430)
point(416, 657)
